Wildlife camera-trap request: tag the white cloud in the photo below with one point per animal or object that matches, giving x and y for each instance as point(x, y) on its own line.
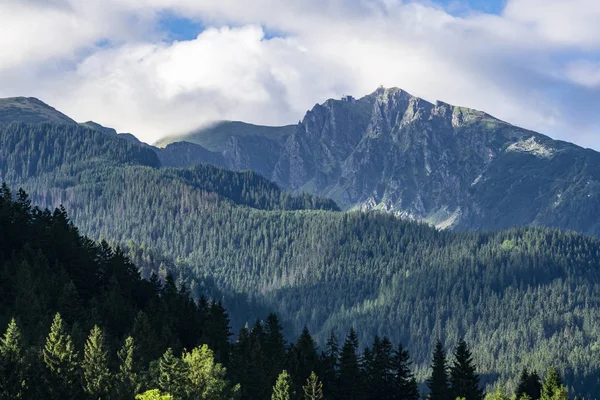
point(585, 73)
point(512, 65)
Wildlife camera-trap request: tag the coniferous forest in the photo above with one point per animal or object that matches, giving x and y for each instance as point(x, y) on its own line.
point(175, 247)
point(83, 324)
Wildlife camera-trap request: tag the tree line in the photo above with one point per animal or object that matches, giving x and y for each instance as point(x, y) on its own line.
point(82, 323)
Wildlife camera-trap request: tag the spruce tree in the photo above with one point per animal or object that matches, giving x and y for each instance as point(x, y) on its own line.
point(553, 389)
point(128, 380)
point(96, 375)
point(330, 366)
point(62, 366)
point(313, 390)
point(172, 374)
point(304, 359)
point(534, 386)
point(463, 379)
point(523, 384)
point(405, 384)
point(274, 347)
point(529, 384)
point(13, 382)
point(205, 378)
point(350, 378)
point(283, 387)
point(438, 381)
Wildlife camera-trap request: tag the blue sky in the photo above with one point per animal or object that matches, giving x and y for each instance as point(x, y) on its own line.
point(157, 67)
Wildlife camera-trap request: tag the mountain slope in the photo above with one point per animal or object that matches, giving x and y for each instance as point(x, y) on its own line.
point(450, 166)
point(30, 110)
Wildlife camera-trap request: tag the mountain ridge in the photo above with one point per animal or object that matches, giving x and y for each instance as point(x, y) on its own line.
point(432, 162)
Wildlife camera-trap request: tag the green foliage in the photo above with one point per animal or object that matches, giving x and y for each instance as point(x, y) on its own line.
point(464, 381)
point(128, 378)
point(313, 390)
point(499, 394)
point(553, 389)
point(13, 380)
point(283, 387)
point(206, 379)
point(529, 385)
point(172, 374)
point(96, 375)
point(62, 364)
point(438, 381)
point(154, 394)
point(351, 379)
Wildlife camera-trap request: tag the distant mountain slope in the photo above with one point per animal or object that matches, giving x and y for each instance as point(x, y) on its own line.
point(30, 110)
point(450, 166)
point(215, 137)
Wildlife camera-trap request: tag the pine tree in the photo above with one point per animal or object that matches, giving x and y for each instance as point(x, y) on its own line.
point(96, 375)
point(553, 389)
point(350, 380)
point(62, 366)
point(146, 340)
point(205, 378)
point(523, 384)
point(534, 386)
point(438, 381)
point(128, 380)
point(283, 387)
point(313, 390)
point(172, 374)
point(405, 384)
point(378, 365)
point(330, 366)
point(274, 347)
point(12, 364)
point(463, 379)
point(304, 359)
point(529, 384)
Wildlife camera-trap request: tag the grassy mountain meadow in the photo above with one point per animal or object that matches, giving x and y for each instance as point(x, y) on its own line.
point(522, 297)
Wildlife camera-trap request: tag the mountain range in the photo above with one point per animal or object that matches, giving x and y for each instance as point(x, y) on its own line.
point(522, 297)
point(450, 166)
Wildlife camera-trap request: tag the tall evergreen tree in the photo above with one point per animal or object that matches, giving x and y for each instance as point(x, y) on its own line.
point(205, 378)
point(464, 380)
point(350, 380)
point(172, 374)
point(313, 390)
point(553, 389)
point(283, 387)
point(330, 366)
point(304, 359)
point(438, 381)
point(274, 347)
point(62, 366)
point(96, 375)
point(13, 383)
point(128, 379)
point(405, 384)
point(534, 386)
point(529, 384)
point(378, 367)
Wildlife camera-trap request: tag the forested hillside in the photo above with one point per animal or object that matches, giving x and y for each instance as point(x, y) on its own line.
point(521, 298)
point(82, 324)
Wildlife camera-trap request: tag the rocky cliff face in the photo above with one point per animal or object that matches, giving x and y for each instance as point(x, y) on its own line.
point(450, 166)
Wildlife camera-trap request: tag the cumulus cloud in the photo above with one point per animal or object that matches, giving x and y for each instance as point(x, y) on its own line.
point(107, 60)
